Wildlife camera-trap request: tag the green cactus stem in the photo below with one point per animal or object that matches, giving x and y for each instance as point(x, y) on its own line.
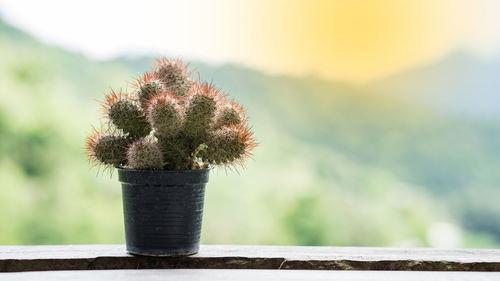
point(106, 148)
point(146, 88)
point(176, 153)
point(200, 110)
point(126, 115)
point(145, 154)
point(228, 145)
point(165, 115)
point(230, 114)
point(174, 75)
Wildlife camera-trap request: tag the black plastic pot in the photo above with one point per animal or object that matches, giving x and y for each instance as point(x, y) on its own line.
point(163, 210)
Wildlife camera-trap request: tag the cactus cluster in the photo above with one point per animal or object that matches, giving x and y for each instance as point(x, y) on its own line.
point(171, 122)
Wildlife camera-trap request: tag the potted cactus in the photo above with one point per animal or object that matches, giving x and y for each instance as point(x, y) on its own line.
point(163, 138)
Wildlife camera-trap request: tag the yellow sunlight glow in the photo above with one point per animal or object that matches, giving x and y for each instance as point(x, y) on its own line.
point(357, 39)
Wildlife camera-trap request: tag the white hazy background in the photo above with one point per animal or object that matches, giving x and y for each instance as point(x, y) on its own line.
point(213, 31)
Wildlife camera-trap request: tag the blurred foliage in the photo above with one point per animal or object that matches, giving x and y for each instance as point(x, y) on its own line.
point(337, 165)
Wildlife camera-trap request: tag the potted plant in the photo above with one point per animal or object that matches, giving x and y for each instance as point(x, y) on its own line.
point(163, 139)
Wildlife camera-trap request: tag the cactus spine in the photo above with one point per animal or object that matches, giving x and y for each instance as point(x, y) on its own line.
point(171, 122)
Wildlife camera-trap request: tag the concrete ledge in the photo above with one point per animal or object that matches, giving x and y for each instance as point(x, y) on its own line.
point(247, 275)
point(84, 257)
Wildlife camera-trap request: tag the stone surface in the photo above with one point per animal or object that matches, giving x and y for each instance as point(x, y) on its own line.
point(82, 257)
point(251, 275)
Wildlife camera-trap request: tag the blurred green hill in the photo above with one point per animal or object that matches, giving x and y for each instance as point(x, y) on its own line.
point(337, 164)
point(462, 83)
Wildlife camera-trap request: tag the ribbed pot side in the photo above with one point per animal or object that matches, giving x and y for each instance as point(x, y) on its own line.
point(163, 210)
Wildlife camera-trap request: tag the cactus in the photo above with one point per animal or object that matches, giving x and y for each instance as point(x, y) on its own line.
point(145, 153)
point(174, 75)
point(171, 123)
point(200, 109)
point(107, 148)
point(229, 114)
point(126, 115)
point(165, 115)
point(177, 154)
point(228, 145)
point(146, 88)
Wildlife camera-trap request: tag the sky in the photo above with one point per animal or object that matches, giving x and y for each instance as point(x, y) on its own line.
point(351, 40)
